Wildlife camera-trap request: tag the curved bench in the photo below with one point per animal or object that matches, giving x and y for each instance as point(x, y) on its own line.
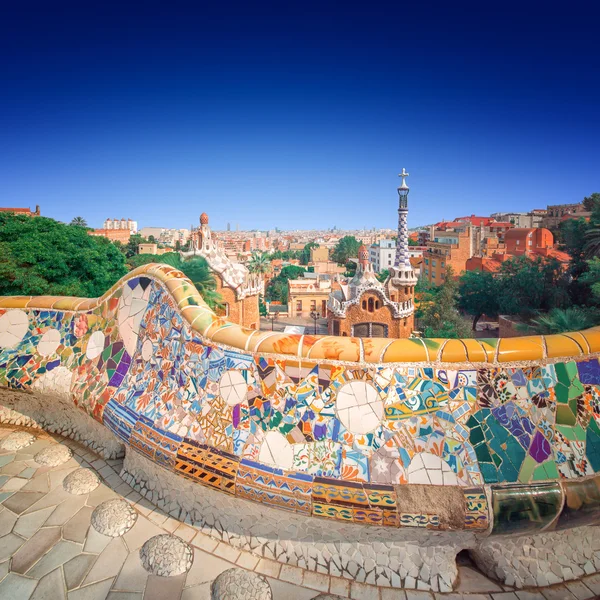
point(373, 459)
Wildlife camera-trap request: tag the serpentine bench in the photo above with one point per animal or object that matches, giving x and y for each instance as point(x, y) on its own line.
point(373, 459)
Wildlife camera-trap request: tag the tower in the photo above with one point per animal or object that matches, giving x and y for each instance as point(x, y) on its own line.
point(402, 258)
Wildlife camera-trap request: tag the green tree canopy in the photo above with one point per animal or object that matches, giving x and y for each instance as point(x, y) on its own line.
point(479, 294)
point(440, 317)
point(383, 275)
point(345, 249)
point(277, 290)
point(530, 285)
point(305, 253)
point(40, 256)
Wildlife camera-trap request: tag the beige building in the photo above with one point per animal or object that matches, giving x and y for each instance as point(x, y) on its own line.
point(319, 254)
point(152, 249)
point(306, 295)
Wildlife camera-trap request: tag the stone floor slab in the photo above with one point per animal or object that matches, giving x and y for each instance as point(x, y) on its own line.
point(133, 576)
point(109, 562)
point(9, 544)
point(15, 586)
point(159, 588)
point(50, 587)
point(76, 528)
point(7, 522)
point(21, 501)
point(29, 523)
point(61, 553)
point(34, 548)
point(95, 591)
point(77, 568)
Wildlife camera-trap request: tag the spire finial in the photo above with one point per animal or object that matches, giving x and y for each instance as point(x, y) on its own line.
point(404, 175)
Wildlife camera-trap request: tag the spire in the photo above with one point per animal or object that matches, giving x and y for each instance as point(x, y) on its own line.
point(402, 258)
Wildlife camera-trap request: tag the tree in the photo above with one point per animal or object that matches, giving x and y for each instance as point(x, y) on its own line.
point(560, 320)
point(479, 294)
point(530, 285)
point(39, 256)
point(262, 307)
point(305, 253)
point(412, 242)
point(277, 289)
point(79, 221)
point(592, 278)
point(592, 202)
point(259, 263)
point(345, 249)
point(441, 317)
point(383, 275)
point(131, 247)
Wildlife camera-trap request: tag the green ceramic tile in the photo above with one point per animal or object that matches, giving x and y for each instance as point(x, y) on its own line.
point(527, 469)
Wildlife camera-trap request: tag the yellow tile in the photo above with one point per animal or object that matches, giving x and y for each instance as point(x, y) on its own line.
point(476, 352)
point(68, 303)
point(593, 338)
point(203, 321)
point(335, 348)
point(14, 301)
point(234, 336)
point(433, 346)
point(561, 345)
point(454, 351)
point(406, 350)
point(282, 343)
point(257, 338)
point(520, 348)
point(45, 301)
point(88, 304)
point(577, 337)
point(374, 347)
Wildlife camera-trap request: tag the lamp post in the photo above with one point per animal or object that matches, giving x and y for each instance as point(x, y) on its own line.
point(273, 317)
point(314, 315)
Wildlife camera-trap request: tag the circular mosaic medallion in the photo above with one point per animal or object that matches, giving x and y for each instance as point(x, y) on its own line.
point(359, 407)
point(166, 555)
point(114, 517)
point(54, 455)
point(81, 481)
point(233, 387)
point(95, 345)
point(49, 342)
point(17, 440)
point(239, 584)
point(13, 327)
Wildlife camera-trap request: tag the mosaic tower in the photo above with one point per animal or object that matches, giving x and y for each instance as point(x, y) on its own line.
point(402, 258)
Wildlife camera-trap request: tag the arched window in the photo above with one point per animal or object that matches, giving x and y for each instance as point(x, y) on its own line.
point(376, 304)
point(371, 305)
point(364, 304)
point(406, 290)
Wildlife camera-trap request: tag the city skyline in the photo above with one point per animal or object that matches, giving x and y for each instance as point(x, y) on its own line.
point(297, 119)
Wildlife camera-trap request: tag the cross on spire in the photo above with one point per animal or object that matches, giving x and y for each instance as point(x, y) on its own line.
point(404, 174)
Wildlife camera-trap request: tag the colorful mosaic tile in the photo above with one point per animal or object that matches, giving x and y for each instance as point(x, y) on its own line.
point(313, 435)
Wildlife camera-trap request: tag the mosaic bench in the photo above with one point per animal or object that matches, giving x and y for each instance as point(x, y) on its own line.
point(373, 459)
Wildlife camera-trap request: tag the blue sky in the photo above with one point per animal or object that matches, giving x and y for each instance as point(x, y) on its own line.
point(298, 116)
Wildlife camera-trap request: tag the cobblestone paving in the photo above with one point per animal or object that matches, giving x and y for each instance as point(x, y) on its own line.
point(49, 550)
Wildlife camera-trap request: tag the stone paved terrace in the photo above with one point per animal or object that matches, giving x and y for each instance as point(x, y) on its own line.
point(50, 550)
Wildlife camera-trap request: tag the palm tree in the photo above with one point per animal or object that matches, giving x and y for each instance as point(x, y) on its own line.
point(79, 221)
point(592, 243)
point(259, 263)
point(560, 320)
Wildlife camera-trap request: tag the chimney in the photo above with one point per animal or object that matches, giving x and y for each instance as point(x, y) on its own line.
point(37, 210)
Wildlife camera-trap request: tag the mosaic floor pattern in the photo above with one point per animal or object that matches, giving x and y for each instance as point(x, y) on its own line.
point(48, 548)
